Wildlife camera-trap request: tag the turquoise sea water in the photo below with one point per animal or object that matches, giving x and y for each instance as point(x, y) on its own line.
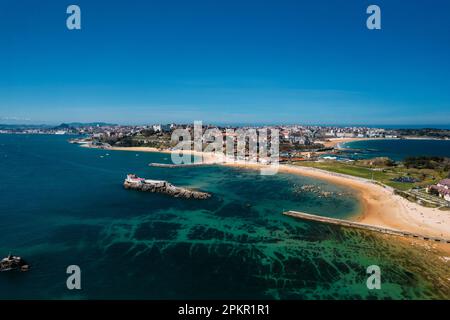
point(397, 149)
point(62, 205)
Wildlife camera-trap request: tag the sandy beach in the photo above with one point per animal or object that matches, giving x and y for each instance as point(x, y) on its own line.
point(334, 142)
point(380, 206)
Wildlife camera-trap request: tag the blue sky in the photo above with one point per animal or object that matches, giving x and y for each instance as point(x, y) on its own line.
point(225, 61)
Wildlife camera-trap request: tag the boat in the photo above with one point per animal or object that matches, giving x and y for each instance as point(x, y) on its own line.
point(11, 263)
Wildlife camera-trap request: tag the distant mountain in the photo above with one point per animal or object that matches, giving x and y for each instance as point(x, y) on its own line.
point(81, 124)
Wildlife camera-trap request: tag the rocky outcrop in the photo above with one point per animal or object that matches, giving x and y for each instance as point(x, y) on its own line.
point(166, 188)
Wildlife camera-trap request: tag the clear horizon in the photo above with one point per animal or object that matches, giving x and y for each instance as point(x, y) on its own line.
point(384, 126)
point(226, 62)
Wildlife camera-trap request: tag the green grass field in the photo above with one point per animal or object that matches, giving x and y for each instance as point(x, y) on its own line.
point(380, 174)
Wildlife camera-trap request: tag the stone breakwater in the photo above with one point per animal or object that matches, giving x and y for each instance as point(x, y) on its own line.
point(359, 225)
point(166, 188)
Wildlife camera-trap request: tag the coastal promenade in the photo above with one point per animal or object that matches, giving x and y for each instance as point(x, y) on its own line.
point(182, 165)
point(358, 225)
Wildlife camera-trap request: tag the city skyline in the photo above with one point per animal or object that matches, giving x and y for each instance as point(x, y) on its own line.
point(255, 63)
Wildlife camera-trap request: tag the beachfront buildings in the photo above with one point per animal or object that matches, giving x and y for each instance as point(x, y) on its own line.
point(441, 189)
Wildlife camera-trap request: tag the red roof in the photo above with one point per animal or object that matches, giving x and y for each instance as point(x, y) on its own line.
point(445, 182)
point(441, 190)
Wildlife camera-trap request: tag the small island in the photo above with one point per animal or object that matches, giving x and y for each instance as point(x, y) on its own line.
point(134, 182)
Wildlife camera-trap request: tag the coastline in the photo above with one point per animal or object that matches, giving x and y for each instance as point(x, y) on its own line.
point(336, 142)
point(208, 157)
point(380, 206)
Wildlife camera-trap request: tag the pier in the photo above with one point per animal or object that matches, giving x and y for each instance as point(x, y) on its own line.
point(363, 226)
